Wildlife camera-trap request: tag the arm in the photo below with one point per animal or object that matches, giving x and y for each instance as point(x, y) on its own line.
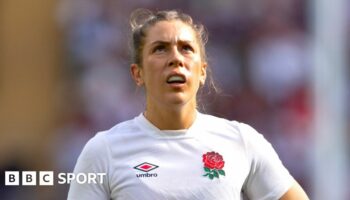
point(295, 193)
point(268, 178)
point(91, 160)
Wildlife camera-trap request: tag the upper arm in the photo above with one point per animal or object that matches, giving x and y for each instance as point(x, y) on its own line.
point(91, 160)
point(295, 193)
point(268, 178)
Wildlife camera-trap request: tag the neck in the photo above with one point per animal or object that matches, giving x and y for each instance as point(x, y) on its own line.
point(171, 118)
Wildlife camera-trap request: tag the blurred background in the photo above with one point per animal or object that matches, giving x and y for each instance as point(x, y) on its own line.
point(64, 75)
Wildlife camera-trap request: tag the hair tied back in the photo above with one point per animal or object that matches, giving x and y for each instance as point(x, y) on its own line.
point(139, 17)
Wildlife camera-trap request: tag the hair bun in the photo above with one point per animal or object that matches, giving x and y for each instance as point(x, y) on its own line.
point(139, 17)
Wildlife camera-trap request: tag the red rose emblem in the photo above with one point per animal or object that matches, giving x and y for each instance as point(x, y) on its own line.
point(213, 165)
point(213, 160)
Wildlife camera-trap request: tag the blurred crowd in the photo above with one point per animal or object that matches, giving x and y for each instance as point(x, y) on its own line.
point(259, 55)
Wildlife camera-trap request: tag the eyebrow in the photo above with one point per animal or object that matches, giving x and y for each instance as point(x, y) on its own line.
point(168, 42)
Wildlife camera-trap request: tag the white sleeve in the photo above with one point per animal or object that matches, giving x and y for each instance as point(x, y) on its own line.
point(268, 178)
point(93, 159)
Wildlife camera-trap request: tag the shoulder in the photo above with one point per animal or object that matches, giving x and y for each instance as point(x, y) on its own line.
point(118, 132)
point(124, 127)
point(248, 136)
point(213, 122)
point(101, 140)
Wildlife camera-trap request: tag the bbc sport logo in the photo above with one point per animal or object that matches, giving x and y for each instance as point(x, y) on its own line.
point(47, 178)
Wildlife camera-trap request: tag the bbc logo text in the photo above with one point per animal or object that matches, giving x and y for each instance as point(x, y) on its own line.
point(47, 178)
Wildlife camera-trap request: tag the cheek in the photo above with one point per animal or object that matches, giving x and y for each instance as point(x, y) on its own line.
point(148, 69)
point(197, 71)
point(151, 76)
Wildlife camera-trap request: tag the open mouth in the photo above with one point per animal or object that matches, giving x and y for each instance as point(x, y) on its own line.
point(176, 79)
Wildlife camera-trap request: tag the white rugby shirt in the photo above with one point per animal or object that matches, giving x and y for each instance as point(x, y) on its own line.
point(142, 162)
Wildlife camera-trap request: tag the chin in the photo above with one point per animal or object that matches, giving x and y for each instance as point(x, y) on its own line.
point(177, 99)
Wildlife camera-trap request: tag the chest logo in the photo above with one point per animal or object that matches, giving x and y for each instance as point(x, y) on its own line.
point(146, 167)
point(213, 165)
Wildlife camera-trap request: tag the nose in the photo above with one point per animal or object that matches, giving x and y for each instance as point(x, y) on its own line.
point(176, 58)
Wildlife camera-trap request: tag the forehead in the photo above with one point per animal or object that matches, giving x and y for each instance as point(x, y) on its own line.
point(170, 31)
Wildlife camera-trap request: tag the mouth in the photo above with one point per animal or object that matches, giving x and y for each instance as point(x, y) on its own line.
point(176, 79)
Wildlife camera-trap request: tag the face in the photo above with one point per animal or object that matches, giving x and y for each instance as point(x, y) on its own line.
point(172, 68)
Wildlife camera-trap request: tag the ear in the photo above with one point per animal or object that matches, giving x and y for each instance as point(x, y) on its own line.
point(203, 73)
point(136, 73)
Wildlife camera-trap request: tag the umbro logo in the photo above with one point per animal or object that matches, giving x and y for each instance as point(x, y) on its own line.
point(146, 167)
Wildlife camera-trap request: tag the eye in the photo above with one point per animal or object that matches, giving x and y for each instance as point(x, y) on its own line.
point(187, 48)
point(159, 48)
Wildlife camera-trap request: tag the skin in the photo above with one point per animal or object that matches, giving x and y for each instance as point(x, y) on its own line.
point(171, 47)
point(296, 192)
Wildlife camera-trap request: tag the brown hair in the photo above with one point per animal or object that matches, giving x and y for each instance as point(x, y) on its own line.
point(142, 19)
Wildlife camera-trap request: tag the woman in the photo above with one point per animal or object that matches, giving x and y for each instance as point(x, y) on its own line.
point(172, 151)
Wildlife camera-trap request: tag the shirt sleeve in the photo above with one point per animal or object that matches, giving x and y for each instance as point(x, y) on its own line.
point(92, 160)
point(268, 178)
